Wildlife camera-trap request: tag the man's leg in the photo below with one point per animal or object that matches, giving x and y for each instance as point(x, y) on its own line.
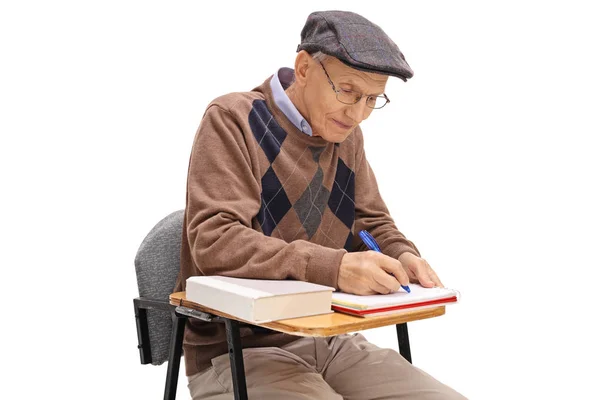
point(271, 374)
point(359, 370)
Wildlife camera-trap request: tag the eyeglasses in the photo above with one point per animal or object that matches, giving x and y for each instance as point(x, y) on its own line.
point(351, 97)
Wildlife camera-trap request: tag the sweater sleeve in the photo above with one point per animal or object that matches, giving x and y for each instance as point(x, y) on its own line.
point(371, 213)
point(223, 198)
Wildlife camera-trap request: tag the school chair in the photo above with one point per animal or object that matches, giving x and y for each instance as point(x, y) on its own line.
point(160, 325)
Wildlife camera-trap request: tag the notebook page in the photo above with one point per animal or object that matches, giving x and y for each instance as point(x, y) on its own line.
point(417, 294)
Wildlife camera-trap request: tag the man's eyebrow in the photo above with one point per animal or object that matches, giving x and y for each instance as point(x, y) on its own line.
point(355, 86)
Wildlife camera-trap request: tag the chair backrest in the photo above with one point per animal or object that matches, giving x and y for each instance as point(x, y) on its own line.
point(157, 265)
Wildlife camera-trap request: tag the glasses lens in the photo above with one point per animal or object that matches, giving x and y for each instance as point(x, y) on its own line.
point(376, 102)
point(352, 97)
point(348, 96)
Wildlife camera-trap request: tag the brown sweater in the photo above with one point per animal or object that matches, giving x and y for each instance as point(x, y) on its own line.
point(265, 200)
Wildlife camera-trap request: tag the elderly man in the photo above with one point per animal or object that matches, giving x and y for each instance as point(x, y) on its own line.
point(278, 188)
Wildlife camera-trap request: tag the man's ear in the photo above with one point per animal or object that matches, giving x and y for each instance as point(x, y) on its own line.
point(303, 60)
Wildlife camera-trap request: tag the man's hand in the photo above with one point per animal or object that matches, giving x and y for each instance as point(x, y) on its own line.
point(368, 272)
point(419, 270)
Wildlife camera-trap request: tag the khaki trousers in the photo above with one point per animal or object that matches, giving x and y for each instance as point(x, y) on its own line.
point(338, 367)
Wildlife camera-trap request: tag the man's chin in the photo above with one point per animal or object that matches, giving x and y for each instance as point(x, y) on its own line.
point(336, 137)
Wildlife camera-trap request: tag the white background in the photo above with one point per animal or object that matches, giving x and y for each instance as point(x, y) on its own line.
point(487, 158)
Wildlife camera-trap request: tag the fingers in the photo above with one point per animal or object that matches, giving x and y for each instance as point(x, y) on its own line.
point(425, 275)
point(422, 272)
point(387, 283)
point(357, 271)
point(433, 276)
point(384, 283)
point(389, 265)
point(371, 272)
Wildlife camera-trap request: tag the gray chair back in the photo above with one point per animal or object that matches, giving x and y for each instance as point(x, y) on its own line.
point(156, 266)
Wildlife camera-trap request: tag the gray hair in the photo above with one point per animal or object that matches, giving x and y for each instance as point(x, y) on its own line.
point(320, 56)
point(317, 56)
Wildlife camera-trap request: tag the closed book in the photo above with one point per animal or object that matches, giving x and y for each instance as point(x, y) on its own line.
point(259, 300)
point(400, 301)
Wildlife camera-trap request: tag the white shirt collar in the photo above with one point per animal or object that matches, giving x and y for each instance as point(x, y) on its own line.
point(283, 78)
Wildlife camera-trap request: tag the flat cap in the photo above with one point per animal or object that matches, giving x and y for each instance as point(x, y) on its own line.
point(355, 41)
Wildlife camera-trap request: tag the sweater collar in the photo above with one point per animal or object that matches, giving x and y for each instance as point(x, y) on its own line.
point(283, 120)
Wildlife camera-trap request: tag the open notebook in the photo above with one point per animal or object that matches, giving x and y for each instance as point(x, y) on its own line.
point(382, 304)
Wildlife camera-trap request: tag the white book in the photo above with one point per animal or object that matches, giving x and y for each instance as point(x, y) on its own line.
point(259, 300)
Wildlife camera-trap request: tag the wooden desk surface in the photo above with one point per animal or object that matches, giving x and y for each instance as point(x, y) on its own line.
point(332, 324)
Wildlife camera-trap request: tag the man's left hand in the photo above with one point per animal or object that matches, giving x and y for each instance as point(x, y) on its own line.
point(419, 270)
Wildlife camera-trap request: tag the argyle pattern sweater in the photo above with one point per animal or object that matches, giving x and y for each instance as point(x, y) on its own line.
point(265, 200)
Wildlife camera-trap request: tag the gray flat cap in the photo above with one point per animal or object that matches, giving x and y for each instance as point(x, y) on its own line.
point(355, 41)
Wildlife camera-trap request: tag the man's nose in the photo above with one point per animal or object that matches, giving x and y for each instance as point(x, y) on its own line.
point(359, 111)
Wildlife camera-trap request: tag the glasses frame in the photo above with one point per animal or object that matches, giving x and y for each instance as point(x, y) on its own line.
point(337, 92)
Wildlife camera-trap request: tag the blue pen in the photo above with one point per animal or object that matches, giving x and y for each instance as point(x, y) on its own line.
point(371, 243)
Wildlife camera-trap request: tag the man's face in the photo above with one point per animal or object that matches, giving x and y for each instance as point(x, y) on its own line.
point(329, 118)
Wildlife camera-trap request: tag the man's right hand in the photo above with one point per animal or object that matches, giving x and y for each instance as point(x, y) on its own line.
point(368, 272)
